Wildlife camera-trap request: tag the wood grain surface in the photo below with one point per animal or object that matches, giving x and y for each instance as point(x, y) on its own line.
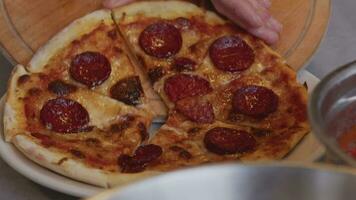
point(27, 25)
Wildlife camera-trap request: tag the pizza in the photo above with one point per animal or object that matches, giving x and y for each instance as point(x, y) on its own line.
point(84, 104)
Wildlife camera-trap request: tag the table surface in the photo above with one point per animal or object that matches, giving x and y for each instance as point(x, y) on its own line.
point(337, 48)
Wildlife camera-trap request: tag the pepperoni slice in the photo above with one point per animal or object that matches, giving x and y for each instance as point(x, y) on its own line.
point(184, 64)
point(64, 116)
point(255, 101)
point(231, 53)
point(90, 68)
point(147, 153)
point(181, 86)
point(128, 90)
point(143, 156)
point(161, 40)
point(196, 111)
point(222, 141)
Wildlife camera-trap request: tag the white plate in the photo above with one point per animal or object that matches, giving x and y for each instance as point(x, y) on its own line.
point(307, 151)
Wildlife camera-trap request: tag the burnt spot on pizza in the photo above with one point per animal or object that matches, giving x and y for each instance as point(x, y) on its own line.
point(34, 91)
point(93, 142)
point(184, 64)
point(76, 153)
point(118, 128)
point(61, 161)
point(175, 148)
point(143, 131)
point(23, 79)
point(261, 132)
point(128, 90)
point(182, 153)
point(305, 85)
point(185, 155)
point(155, 74)
point(193, 131)
point(235, 117)
point(112, 34)
point(61, 88)
point(124, 124)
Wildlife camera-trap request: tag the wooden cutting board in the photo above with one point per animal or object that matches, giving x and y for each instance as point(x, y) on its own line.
point(26, 25)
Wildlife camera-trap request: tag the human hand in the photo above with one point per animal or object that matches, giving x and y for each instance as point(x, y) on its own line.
point(252, 15)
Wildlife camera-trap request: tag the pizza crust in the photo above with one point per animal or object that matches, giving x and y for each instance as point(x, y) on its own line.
point(58, 162)
point(72, 168)
point(73, 31)
point(14, 120)
point(164, 10)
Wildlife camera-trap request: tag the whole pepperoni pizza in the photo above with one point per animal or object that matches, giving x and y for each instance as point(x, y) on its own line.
point(83, 105)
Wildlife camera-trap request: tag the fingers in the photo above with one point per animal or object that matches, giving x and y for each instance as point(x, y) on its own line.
point(239, 11)
point(252, 15)
point(273, 24)
point(115, 3)
point(265, 33)
point(265, 3)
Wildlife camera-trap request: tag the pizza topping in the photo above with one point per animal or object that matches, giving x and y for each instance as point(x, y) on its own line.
point(155, 74)
point(23, 79)
point(181, 86)
point(161, 40)
point(231, 53)
point(184, 64)
point(61, 88)
point(142, 157)
point(221, 141)
point(147, 153)
point(255, 101)
point(143, 131)
point(90, 68)
point(129, 165)
point(64, 116)
point(182, 153)
point(196, 110)
point(128, 90)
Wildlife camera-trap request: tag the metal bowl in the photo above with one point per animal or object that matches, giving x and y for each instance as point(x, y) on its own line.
point(332, 109)
point(243, 182)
